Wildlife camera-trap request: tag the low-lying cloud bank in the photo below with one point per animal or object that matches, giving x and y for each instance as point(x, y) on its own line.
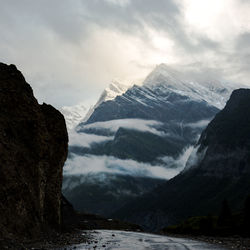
point(86, 140)
point(83, 138)
point(134, 124)
point(82, 165)
point(199, 124)
point(180, 161)
point(165, 167)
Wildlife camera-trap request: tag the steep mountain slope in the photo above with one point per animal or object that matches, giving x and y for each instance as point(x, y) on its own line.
point(111, 92)
point(155, 103)
point(226, 140)
point(148, 131)
point(181, 110)
point(212, 91)
point(163, 87)
point(218, 169)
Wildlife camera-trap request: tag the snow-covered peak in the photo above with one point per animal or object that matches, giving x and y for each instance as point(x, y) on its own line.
point(163, 74)
point(81, 112)
point(114, 89)
point(214, 92)
point(74, 114)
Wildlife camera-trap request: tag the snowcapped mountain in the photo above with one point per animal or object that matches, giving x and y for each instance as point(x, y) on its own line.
point(81, 112)
point(144, 132)
point(157, 86)
point(162, 87)
point(112, 91)
point(214, 92)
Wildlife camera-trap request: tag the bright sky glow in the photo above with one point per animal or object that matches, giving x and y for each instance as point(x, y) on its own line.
point(69, 51)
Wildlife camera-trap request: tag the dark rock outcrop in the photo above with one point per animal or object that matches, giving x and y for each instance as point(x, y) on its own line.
point(33, 149)
point(226, 139)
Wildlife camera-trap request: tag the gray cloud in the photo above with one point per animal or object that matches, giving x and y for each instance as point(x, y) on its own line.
point(138, 15)
point(70, 50)
point(243, 42)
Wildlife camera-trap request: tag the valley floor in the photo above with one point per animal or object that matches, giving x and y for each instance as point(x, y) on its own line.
point(123, 240)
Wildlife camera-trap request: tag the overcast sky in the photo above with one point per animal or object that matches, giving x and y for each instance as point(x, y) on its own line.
point(69, 50)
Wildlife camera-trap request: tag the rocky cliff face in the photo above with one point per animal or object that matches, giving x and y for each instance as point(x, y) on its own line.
point(33, 149)
point(226, 142)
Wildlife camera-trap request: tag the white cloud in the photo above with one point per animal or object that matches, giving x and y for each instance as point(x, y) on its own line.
point(180, 162)
point(199, 124)
point(221, 20)
point(91, 164)
point(134, 124)
point(195, 158)
point(82, 165)
point(86, 140)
